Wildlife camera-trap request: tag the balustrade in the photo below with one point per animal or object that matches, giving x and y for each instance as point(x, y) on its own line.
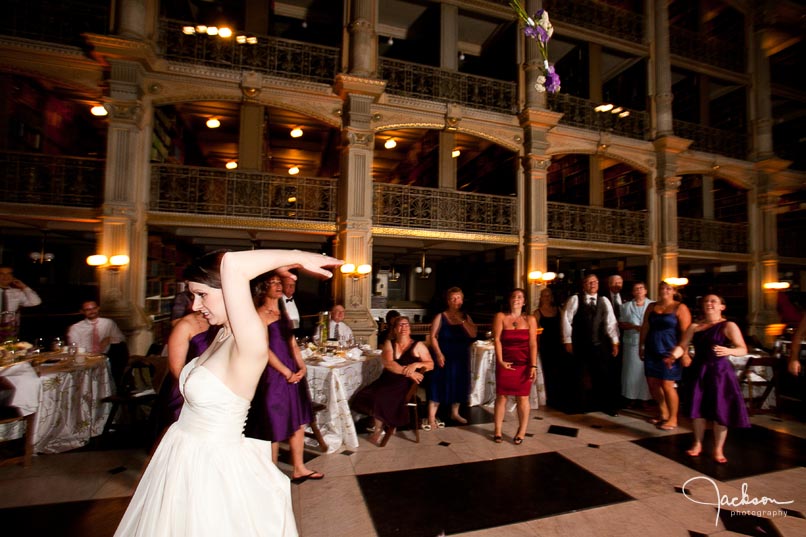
point(711, 140)
point(579, 112)
point(51, 180)
point(712, 235)
point(584, 223)
point(60, 21)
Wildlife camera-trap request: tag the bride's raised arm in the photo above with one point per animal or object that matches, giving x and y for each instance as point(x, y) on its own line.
point(237, 269)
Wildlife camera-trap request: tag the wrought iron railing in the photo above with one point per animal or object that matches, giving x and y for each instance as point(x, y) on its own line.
point(426, 82)
point(212, 191)
point(712, 235)
point(579, 112)
point(51, 180)
point(585, 223)
point(711, 140)
point(696, 46)
point(445, 210)
point(270, 55)
point(59, 21)
point(599, 17)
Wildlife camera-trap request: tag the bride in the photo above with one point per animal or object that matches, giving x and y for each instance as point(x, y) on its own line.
point(206, 478)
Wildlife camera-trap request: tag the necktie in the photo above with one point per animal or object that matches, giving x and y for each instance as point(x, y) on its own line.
point(3, 300)
point(336, 332)
point(96, 341)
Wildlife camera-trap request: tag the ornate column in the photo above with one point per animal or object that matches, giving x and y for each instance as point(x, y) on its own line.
point(667, 184)
point(123, 228)
point(363, 47)
point(661, 97)
point(760, 89)
point(534, 207)
point(532, 62)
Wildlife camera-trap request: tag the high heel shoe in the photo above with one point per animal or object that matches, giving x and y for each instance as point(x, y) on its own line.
point(517, 440)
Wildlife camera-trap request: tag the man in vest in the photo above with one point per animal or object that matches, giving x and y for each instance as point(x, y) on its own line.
point(590, 334)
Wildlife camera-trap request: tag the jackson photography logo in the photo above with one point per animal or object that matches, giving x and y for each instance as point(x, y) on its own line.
point(744, 505)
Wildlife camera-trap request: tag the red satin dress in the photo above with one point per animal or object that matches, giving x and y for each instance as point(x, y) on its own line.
point(515, 349)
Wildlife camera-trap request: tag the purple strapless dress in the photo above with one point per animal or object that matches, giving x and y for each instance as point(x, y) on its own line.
point(716, 394)
point(278, 408)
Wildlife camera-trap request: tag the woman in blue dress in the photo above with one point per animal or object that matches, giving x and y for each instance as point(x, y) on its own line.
point(664, 324)
point(452, 333)
point(716, 394)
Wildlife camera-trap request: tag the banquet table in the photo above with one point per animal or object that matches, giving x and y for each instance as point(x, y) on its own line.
point(482, 379)
point(69, 410)
point(332, 383)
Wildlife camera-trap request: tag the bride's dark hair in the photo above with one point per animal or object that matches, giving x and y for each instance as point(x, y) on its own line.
point(206, 269)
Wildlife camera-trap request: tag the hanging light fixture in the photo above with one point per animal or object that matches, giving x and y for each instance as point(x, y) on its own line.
point(42, 256)
point(423, 270)
point(99, 110)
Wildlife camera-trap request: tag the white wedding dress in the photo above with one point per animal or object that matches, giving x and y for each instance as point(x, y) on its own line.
point(206, 478)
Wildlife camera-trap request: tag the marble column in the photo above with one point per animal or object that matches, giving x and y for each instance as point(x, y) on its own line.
point(123, 215)
point(363, 45)
point(532, 63)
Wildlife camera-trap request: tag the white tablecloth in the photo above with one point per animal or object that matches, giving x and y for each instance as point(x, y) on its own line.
point(756, 374)
point(333, 386)
point(69, 411)
point(482, 379)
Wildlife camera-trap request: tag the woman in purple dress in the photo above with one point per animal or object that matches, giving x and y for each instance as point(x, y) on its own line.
point(281, 407)
point(452, 333)
point(189, 338)
point(716, 395)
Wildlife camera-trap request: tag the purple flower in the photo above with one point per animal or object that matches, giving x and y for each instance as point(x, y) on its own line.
point(552, 80)
point(542, 34)
point(531, 31)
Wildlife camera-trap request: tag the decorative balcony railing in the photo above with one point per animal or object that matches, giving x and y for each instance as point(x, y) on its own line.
point(712, 235)
point(211, 191)
point(445, 210)
point(584, 223)
point(270, 55)
point(711, 140)
point(599, 17)
point(54, 21)
point(425, 82)
point(51, 180)
point(696, 46)
point(579, 112)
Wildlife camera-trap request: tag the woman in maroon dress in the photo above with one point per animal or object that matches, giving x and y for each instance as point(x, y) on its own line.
point(515, 333)
point(404, 361)
point(716, 394)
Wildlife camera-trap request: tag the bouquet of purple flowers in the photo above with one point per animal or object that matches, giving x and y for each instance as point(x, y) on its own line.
point(540, 29)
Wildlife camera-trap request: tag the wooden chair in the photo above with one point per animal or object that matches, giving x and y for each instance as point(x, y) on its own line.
point(12, 414)
point(317, 434)
point(412, 404)
point(753, 381)
point(137, 390)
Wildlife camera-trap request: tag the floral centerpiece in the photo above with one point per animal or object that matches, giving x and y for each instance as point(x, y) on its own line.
point(540, 29)
point(11, 350)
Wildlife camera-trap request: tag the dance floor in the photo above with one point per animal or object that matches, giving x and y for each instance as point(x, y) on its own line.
point(588, 474)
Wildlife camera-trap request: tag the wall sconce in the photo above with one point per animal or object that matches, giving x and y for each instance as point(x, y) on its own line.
point(455, 153)
point(776, 286)
point(113, 263)
point(99, 110)
point(676, 282)
point(423, 270)
point(536, 277)
point(356, 272)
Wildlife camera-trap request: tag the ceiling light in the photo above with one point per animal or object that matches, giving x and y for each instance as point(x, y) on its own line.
point(304, 24)
point(461, 56)
point(293, 170)
point(604, 108)
point(225, 33)
point(188, 30)
point(213, 123)
point(455, 153)
point(296, 132)
point(201, 28)
point(231, 165)
point(99, 110)
point(212, 30)
point(390, 143)
point(390, 41)
point(616, 110)
point(624, 114)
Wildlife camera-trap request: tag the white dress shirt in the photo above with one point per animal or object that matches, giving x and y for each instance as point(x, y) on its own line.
point(570, 310)
point(16, 298)
point(81, 334)
point(345, 332)
point(292, 311)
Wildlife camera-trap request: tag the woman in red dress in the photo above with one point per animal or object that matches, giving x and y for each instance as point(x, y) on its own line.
point(515, 333)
